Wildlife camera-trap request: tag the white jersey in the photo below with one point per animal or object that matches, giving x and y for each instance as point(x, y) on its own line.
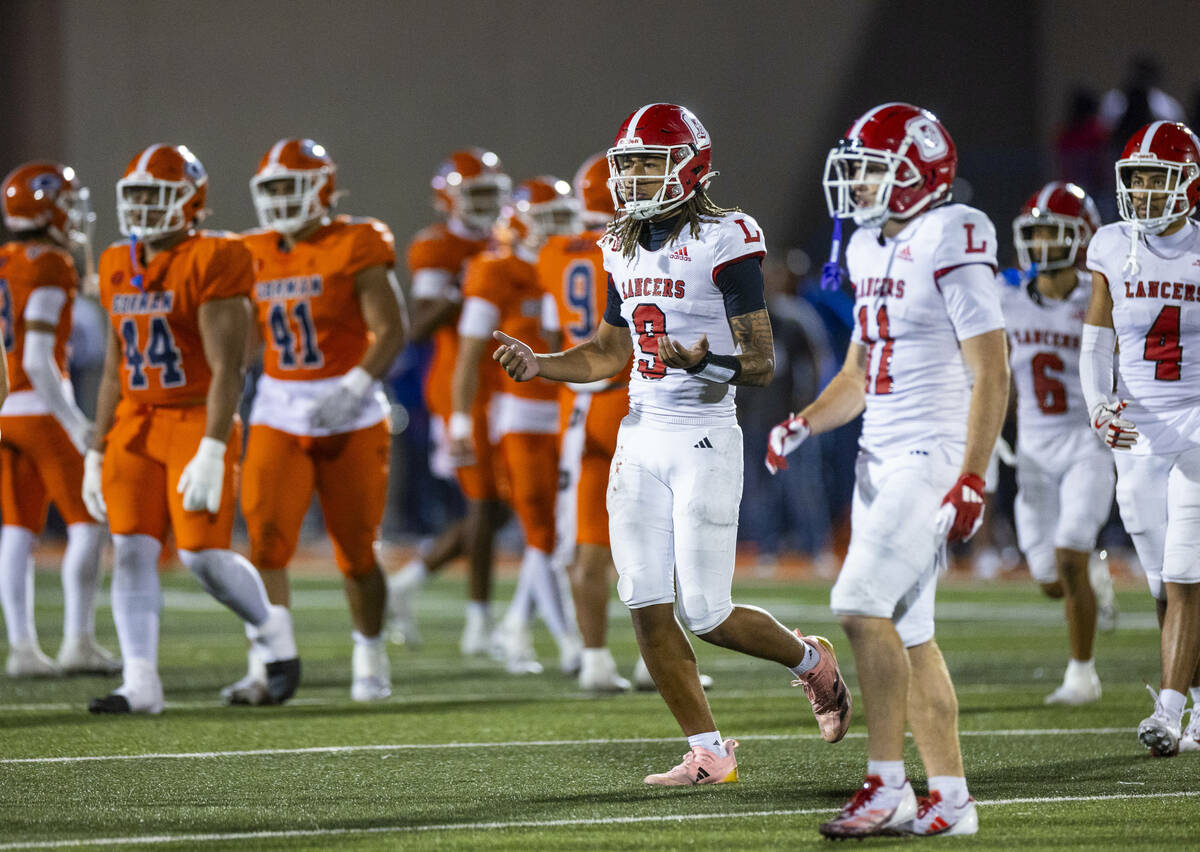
point(1044, 338)
point(1156, 314)
point(918, 388)
point(673, 292)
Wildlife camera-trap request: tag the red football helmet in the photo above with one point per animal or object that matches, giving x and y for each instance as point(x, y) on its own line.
point(666, 131)
point(541, 207)
point(591, 188)
point(1068, 209)
point(294, 185)
point(1159, 170)
point(900, 150)
point(46, 195)
point(162, 192)
point(471, 186)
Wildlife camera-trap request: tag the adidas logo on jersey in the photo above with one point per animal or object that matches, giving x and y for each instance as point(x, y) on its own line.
point(679, 254)
point(905, 253)
point(703, 444)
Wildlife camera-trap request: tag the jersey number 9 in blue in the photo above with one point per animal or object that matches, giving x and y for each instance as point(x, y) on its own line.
point(160, 353)
point(306, 355)
point(578, 281)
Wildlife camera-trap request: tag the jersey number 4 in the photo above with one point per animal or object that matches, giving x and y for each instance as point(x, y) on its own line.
point(882, 381)
point(160, 353)
point(1163, 347)
point(650, 326)
point(306, 355)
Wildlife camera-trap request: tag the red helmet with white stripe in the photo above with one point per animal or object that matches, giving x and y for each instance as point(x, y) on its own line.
point(294, 185)
point(162, 192)
point(1072, 214)
point(1158, 176)
point(895, 161)
point(674, 144)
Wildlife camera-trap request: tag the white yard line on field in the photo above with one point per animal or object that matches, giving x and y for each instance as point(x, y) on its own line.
point(149, 840)
point(346, 749)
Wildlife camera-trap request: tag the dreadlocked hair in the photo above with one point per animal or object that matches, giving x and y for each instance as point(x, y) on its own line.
point(627, 231)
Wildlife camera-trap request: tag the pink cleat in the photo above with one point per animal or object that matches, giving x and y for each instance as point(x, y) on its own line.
point(934, 816)
point(700, 766)
point(825, 688)
point(874, 809)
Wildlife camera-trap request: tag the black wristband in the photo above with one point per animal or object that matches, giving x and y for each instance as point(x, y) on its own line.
point(716, 368)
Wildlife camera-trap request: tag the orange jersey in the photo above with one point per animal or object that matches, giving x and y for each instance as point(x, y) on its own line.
point(25, 267)
point(440, 249)
point(307, 307)
point(571, 269)
point(158, 324)
point(510, 284)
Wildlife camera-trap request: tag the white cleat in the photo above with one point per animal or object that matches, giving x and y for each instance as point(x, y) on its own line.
point(372, 677)
point(1159, 732)
point(643, 682)
point(27, 660)
point(478, 637)
point(1106, 598)
point(82, 655)
point(570, 655)
point(937, 817)
point(517, 645)
point(141, 692)
point(402, 589)
point(1190, 741)
point(252, 689)
point(598, 672)
point(1084, 688)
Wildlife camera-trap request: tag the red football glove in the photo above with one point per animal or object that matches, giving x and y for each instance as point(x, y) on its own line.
point(962, 509)
point(784, 438)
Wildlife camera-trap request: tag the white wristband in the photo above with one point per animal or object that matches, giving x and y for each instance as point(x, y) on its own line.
point(357, 381)
point(460, 426)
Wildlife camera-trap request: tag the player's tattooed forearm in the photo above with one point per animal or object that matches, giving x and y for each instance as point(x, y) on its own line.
point(752, 334)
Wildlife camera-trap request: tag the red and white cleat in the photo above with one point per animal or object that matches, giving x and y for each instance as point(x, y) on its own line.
point(700, 766)
point(935, 816)
point(826, 690)
point(874, 809)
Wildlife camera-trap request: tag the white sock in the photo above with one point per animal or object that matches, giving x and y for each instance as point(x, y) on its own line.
point(80, 576)
point(1172, 703)
point(16, 584)
point(710, 741)
point(953, 789)
point(419, 570)
point(273, 638)
point(368, 641)
point(136, 598)
point(231, 579)
point(891, 772)
point(521, 605)
point(811, 658)
point(546, 591)
point(1195, 693)
point(479, 611)
point(1080, 668)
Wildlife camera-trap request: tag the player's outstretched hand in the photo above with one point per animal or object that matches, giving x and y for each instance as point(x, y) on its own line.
point(961, 514)
point(515, 357)
point(674, 355)
point(784, 438)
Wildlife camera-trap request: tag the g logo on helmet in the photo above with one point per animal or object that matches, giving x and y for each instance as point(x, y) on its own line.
point(928, 138)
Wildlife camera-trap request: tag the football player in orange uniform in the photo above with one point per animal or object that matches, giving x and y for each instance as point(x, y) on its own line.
point(470, 189)
point(167, 443)
point(45, 433)
point(570, 268)
point(329, 311)
point(501, 291)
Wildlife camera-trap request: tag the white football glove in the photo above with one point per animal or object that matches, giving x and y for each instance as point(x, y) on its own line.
point(460, 430)
point(783, 439)
point(202, 479)
point(81, 433)
point(93, 496)
point(1114, 430)
point(338, 407)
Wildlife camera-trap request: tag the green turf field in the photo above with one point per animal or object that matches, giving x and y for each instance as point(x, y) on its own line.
point(465, 756)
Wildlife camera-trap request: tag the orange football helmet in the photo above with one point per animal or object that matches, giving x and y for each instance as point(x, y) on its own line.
point(591, 188)
point(294, 185)
point(471, 186)
point(161, 193)
point(46, 195)
point(541, 207)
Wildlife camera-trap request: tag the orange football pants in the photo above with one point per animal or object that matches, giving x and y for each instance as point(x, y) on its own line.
point(479, 481)
point(531, 463)
point(349, 473)
point(604, 416)
point(146, 450)
point(38, 463)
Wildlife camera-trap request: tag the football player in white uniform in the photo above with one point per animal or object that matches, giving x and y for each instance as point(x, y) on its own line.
point(685, 297)
point(1145, 294)
point(1065, 476)
point(927, 312)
